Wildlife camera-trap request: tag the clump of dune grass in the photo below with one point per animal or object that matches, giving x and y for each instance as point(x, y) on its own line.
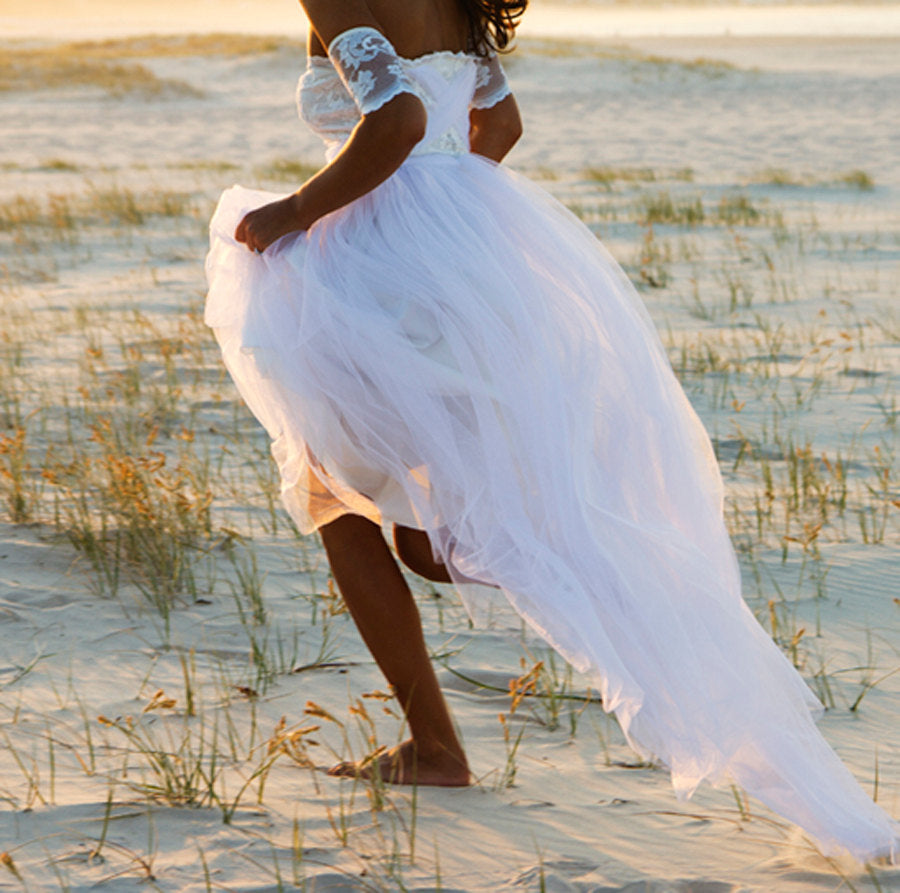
point(106, 450)
point(23, 211)
point(701, 64)
point(857, 179)
point(609, 175)
point(137, 516)
point(653, 260)
point(212, 165)
point(60, 216)
point(801, 494)
point(157, 46)
point(737, 208)
point(58, 164)
point(661, 207)
point(114, 466)
point(290, 170)
point(116, 204)
point(568, 48)
point(73, 66)
point(776, 176)
point(733, 209)
point(180, 756)
point(14, 475)
point(779, 176)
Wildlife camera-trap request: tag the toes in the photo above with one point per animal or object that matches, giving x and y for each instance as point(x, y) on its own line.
point(384, 770)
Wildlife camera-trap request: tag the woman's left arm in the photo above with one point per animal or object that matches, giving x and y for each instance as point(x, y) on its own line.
point(379, 144)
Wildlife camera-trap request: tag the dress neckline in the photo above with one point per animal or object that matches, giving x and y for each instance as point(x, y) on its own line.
point(412, 59)
point(460, 54)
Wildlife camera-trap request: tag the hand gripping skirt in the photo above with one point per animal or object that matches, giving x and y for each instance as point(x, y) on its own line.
point(456, 352)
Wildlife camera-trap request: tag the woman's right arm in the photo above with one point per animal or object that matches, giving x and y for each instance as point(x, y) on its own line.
point(379, 144)
point(494, 131)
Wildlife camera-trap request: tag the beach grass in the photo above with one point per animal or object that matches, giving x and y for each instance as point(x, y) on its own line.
point(285, 170)
point(854, 178)
point(158, 46)
point(166, 702)
point(75, 66)
point(621, 52)
point(59, 216)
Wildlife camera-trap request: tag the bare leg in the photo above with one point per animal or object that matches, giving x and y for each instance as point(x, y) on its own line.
point(415, 552)
point(385, 613)
point(414, 549)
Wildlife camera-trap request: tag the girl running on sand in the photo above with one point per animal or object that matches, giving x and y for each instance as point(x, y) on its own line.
point(433, 341)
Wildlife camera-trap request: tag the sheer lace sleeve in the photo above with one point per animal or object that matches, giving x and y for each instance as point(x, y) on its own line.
point(369, 67)
point(490, 83)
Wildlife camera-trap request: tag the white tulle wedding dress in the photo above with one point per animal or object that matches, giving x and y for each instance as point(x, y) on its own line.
point(455, 351)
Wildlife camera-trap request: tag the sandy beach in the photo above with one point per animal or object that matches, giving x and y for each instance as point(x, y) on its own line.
point(177, 669)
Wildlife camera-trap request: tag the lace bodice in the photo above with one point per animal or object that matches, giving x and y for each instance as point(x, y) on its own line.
point(362, 72)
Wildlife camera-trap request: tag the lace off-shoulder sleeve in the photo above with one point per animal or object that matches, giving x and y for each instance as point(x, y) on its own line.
point(490, 83)
point(369, 67)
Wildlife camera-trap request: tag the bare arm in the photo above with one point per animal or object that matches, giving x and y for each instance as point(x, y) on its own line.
point(377, 147)
point(379, 144)
point(495, 130)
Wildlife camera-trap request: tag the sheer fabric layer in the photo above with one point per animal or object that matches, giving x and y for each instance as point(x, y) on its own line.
point(364, 73)
point(456, 352)
point(523, 413)
point(369, 68)
point(491, 85)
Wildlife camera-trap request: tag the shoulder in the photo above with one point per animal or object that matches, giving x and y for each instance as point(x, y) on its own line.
point(328, 19)
point(405, 24)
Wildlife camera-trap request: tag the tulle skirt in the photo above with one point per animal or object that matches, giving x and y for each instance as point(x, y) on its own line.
point(456, 352)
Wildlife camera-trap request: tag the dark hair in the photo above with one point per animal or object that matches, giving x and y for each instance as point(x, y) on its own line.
point(492, 23)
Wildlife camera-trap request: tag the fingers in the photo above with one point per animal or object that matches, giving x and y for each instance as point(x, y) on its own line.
point(240, 234)
point(261, 227)
point(257, 243)
point(245, 233)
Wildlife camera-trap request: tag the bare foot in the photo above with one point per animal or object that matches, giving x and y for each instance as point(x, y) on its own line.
point(402, 765)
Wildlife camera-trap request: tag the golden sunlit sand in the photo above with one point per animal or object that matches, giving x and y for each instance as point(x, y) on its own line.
point(177, 669)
